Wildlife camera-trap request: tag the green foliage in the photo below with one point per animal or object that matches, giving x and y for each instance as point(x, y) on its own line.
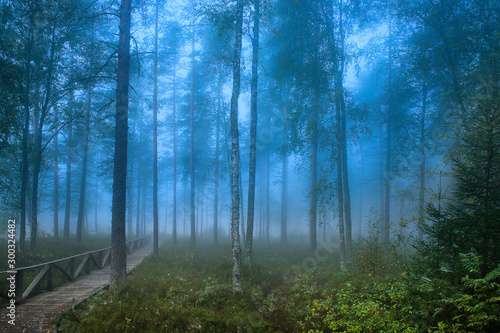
point(361, 307)
point(185, 289)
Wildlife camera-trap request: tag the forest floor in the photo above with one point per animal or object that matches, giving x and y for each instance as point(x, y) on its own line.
point(287, 289)
point(186, 289)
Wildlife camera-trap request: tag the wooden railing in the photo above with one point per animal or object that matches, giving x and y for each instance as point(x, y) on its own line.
point(70, 267)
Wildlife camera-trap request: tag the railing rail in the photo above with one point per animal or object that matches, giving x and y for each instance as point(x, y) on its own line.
point(70, 267)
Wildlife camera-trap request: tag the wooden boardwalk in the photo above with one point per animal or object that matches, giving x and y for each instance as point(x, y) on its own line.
point(38, 313)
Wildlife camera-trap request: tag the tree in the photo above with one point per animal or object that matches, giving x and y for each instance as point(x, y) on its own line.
point(39, 123)
point(253, 133)
point(118, 245)
point(235, 144)
point(155, 138)
point(192, 146)
point(69, 144)
point(83, 181)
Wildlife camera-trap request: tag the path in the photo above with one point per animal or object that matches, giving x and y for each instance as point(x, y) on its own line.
point(36, 314)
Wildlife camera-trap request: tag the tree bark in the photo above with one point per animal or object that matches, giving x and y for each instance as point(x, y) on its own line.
point(343, 139)
point(118, 237)
point(388, 147)
point(217, 157)
point(421, 196)
point(253, 133)
point(313, 203)
point(340, 196)
point(83, 182)
point(155, 139)
point(38, 140)
point(284, 192)
point(56, 184)
point(235, 146)
point(174, 217)
point(67, 208)
point(138, 208)
point(26, 128)
point(192, 154)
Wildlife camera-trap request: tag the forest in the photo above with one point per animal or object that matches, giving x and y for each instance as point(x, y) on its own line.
point(302, 166)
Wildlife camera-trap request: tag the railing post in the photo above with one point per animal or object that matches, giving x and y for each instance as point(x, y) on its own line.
point(99, 259)
point(87, 264)
point(19, 286)
point(50, 278)
point(72, 268)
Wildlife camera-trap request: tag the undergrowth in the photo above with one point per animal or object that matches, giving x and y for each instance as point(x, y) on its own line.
point(288, 290)
point(186, 289)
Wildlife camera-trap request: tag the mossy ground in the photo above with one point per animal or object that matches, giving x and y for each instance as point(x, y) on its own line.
point(185, 289)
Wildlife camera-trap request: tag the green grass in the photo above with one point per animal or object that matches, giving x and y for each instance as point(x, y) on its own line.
point(186, 289)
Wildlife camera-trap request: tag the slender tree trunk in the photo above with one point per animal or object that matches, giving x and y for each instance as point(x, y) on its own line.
point(26, 128)
point(155, 139)
point(268, 186)
point(421, 196)
point(242, 215)
point(314, 178)
point(38, 141)
point(253, 133)
point(166, 208)
point(130, 199)
point(217, 157)
point(144, 203)
point(343, 138)
point(235, 147)
point(96, 202)
point(56, 184)
point(192, 155)
point(83, 182)
point(138, 209)
point(340, 197)
point(174, 212)
point(284, 192)
point(118, 210)
point(388, 152)
point(67, 208)
point(361, 189)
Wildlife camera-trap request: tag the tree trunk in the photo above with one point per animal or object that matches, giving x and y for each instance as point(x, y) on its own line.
point(56, 183)
point(343, 139)
point(118, 237)
point(340, 197)
point(192, 154)
point(253, 133)
point(284, 191)
point(144, 203)
point(38, 141)
point(360, 189)
point(138, 209)
point(174, 217)
point(96, 201)
point(421, 196)
point(242, 214)
point(314, 179)
point(26, 128)
point(83, 182)
point(235, 147)
point(155, 139)
point(268, 185)
point(67, 208)
point(130, 198)
point(388, 152)
point(217, 157)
